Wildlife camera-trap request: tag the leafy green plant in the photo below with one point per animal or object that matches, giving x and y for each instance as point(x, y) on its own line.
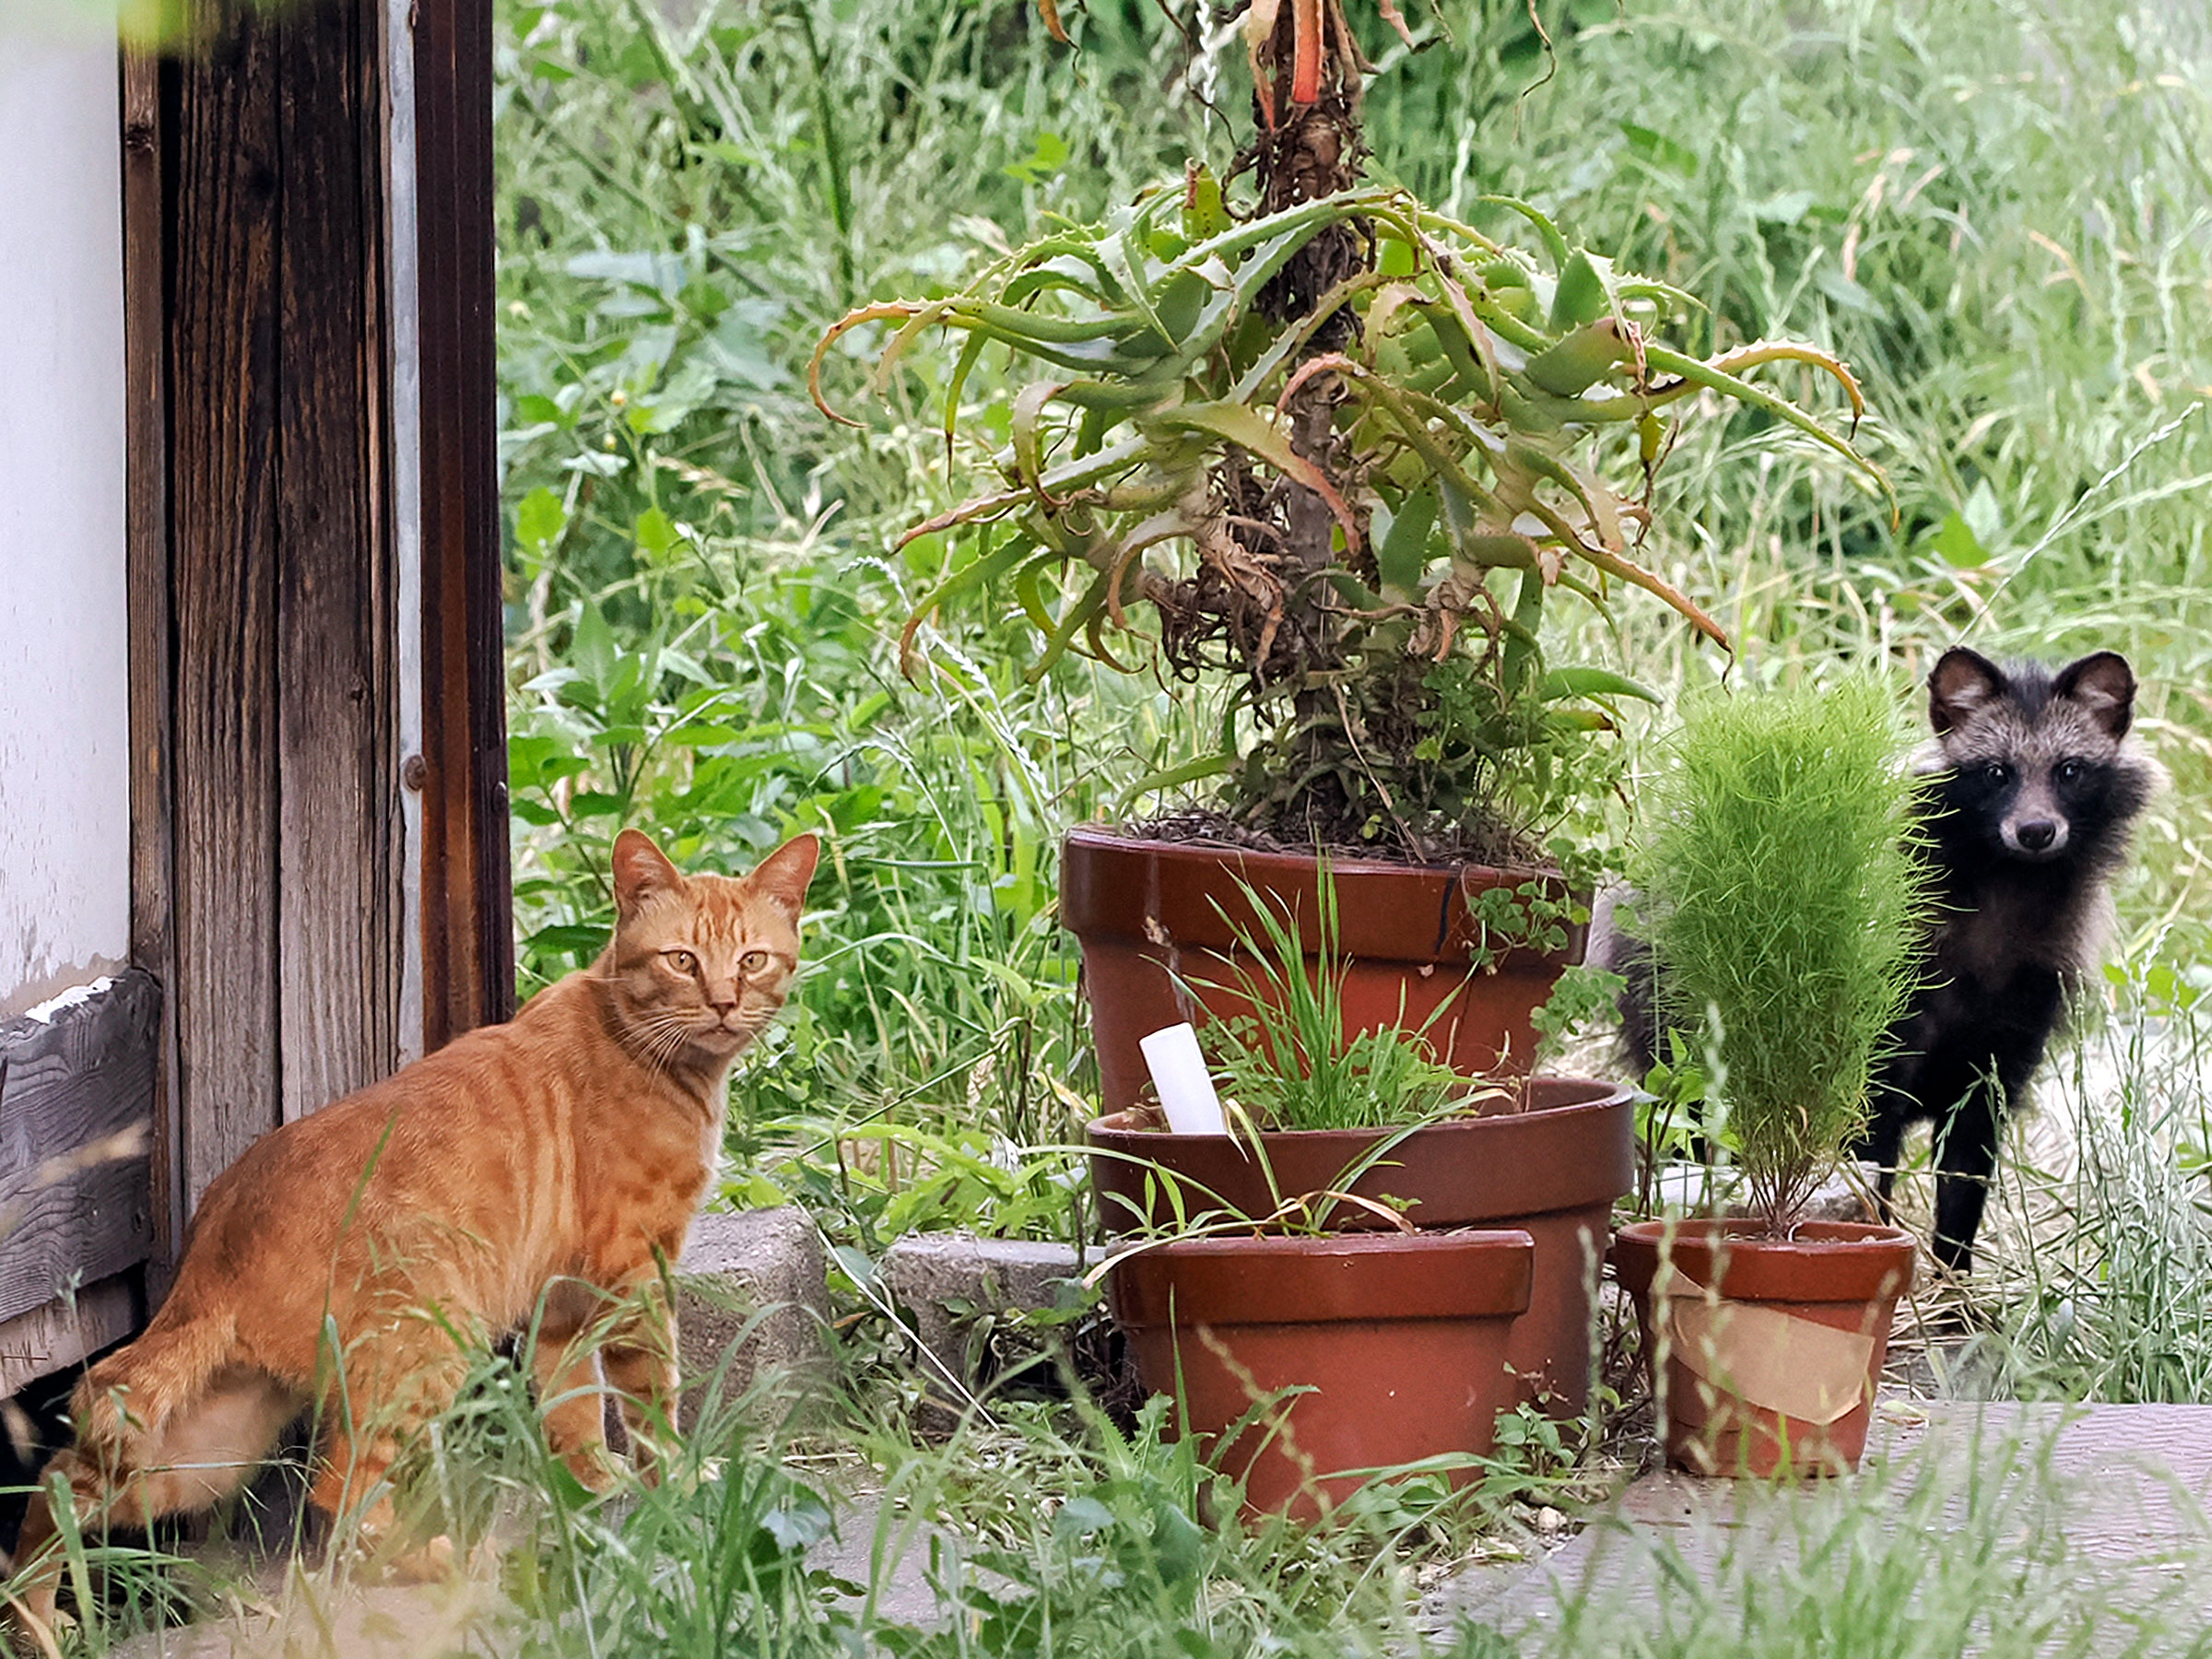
point(1344, 447)
point(1781, 900)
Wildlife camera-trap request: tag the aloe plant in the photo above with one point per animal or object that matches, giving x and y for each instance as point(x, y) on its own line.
point(1347, 483)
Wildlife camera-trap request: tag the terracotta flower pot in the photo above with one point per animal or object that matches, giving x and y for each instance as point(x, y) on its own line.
point(1145, 911)
point(1397, 1341)
point(1764, 1352)
point(1551, 1170)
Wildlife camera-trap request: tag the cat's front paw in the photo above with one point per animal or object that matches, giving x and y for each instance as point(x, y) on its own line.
point(597, 1467)
point(426, 1564)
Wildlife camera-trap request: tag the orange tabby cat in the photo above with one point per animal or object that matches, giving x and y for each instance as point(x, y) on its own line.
point(545, 1167)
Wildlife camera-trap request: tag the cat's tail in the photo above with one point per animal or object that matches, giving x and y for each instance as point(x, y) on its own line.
point(122, 1404)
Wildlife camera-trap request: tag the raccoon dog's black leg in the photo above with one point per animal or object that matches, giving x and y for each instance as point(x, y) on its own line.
point(1883, 1140)
point(1966, 1156)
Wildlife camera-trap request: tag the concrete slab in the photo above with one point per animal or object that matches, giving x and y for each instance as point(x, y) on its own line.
point(2091, 1520)
point(753, 1303)
point(957, 1287)
point(288, 1611)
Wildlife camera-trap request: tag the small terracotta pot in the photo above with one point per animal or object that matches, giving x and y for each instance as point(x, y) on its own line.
point(1551, 1169)
point(1396, 1340)
point(1764, 1352)
point(1146, 911)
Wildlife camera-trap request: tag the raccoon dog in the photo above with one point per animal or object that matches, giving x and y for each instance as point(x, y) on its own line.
point(2034, 786)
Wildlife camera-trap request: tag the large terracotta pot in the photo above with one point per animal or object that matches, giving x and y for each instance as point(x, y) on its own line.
point(1764, 1352)
point(1145, 911)
point(1396, 1341)
point(1552, 1168)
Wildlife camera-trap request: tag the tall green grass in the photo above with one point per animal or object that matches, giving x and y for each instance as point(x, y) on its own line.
point(1015, 1539)
point(1997, 212)
point(2099, 1291)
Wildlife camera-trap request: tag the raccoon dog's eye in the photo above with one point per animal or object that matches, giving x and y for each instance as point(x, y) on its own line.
point(2069, 773)
point(683, 961)
point(1996, 775)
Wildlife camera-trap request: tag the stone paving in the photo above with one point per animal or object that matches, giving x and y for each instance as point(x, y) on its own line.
point(2114, 1497)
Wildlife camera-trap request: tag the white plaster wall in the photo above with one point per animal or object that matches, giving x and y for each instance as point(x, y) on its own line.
point(64, 797)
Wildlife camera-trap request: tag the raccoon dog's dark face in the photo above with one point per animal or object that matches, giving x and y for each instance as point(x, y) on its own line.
point(2035, 764)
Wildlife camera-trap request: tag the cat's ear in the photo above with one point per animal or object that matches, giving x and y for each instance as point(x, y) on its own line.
point(782, 877)
point(641, 870)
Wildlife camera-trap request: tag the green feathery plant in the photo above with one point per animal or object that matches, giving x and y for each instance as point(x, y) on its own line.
point(1781, 900)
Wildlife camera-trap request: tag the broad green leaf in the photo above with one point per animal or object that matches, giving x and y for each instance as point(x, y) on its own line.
point(1046, 157)
point(539, 518)
point(1959, 546)
point(1582, 358)
point(1658, 148)
point(1204, 216)
point(594, 648)
point(1585, 292)
point(1402, 556)
point(578, 939)
point(1175, 777)
point(655, 533)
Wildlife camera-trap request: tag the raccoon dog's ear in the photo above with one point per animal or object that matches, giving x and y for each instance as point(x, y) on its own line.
point(1964, 682)
point(2103, 684)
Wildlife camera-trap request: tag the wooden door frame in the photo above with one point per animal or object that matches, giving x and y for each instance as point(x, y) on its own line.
point(467, 936)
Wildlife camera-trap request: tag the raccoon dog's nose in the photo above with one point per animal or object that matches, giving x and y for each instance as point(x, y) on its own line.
point(2037, 834)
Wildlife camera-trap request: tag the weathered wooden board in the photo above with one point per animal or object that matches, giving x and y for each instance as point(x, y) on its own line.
point(145, 520)
point(338, 900)
point(468, 917)
point(226, 358)
point(467, 909)
point(286, 832)
point(268, 840)
point(68, 1330)
point(77, 1108)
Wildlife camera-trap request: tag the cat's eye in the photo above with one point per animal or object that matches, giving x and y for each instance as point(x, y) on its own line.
point(683, 961)
point(752, 961)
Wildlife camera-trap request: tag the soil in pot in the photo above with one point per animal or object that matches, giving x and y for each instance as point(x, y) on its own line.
point(1552, 1165)
point(1765, 1353)
point(1394, 1346)
point(1147, 912)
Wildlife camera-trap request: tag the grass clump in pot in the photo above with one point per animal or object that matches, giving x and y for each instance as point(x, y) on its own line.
point(1782, 899)
point(1289, 1064)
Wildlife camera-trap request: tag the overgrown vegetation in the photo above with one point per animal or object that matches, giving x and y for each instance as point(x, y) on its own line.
point(1995, 215)
point(1287, 1064)
point(1991, 216)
